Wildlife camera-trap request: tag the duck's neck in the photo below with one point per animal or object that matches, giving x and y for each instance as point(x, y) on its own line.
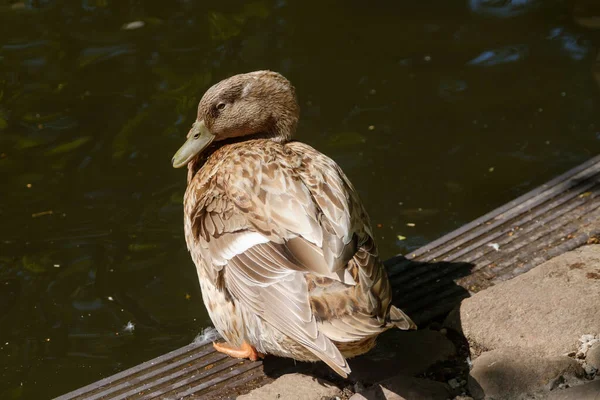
point(196, 164)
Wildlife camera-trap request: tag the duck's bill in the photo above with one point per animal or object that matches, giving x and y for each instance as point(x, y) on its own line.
point(198, 140)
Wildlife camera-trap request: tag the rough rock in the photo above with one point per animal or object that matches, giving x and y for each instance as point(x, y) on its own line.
point(593, 356)
point(546, 309)
point(294, 387)
point(587, 342)
point(587, 391)
point(405, 388)
point(405, 353)
point(513, 373)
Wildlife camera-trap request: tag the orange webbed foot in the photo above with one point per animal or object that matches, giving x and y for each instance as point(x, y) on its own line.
point(244, 351)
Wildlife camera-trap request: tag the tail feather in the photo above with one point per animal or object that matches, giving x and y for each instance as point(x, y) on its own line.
point(332, 357)
point(326, 350)
point(401, 320)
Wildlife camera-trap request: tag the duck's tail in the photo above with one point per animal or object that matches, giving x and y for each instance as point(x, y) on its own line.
point(399, 319)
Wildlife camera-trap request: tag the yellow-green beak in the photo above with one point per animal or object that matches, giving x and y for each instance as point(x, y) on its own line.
point(199, 138)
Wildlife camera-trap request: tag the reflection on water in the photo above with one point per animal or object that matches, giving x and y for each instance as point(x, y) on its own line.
point(503, 8)
point(502, 55)
point(438, 113)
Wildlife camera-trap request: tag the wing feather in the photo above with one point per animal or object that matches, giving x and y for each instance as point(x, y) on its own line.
point(280, 297)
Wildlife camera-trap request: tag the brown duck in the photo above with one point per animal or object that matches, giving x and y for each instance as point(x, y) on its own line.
point(281, 241)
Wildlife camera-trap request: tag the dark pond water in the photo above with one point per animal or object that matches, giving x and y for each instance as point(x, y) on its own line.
point(437, 110)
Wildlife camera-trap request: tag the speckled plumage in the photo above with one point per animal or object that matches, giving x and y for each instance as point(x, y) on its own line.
point(281, 241)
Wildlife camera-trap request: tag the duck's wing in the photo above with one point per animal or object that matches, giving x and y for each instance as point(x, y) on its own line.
point(265, 278)
point(348, 240)
point(247, 226)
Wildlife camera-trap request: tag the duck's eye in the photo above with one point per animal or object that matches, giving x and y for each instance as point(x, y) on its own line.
point(221, 106)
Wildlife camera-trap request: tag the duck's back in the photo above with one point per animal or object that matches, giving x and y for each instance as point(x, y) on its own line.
point(280, 230)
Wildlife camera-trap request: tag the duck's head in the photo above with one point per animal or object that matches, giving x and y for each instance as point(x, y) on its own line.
point(257, 104)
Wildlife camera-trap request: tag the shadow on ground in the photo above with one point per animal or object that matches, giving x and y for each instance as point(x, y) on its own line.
point(427, 292)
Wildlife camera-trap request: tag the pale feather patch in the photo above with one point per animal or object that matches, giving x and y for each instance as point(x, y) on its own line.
point(246, 90)
point(209, 334)
point(234, 244)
